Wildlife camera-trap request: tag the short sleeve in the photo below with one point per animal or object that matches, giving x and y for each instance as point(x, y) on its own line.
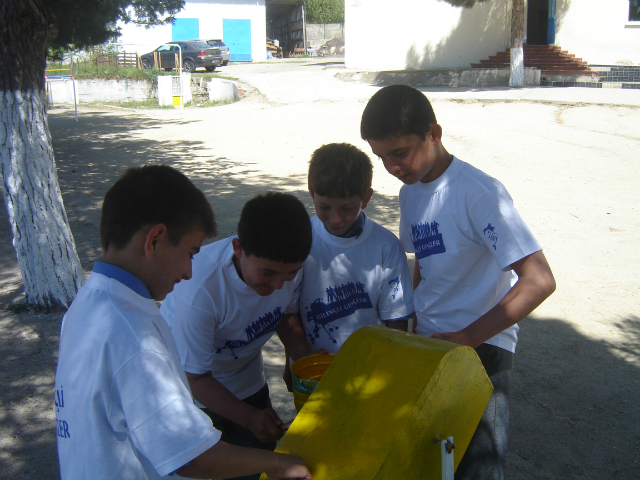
point(500, 227)
point(194, 328)
point(158, 411)
point(294, 304)
point(396, 295)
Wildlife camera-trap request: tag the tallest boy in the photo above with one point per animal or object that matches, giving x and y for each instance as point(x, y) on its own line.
point(479, 269)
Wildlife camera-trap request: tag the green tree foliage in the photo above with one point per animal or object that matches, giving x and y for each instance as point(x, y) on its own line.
point(325, 11)
point(82, 23)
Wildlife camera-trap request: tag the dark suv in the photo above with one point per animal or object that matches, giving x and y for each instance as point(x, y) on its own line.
point(195, 54)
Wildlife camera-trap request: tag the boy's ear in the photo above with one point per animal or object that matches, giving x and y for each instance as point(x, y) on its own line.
point(435, 133)
point(237, 248)
point(154, 234)
point(366, 198)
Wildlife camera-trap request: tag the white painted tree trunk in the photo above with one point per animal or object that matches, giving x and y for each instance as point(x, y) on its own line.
point(50, 267)
point(516, 77)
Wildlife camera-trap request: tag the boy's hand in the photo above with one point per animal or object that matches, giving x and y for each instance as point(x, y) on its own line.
point(289, 467)
point(265, 425)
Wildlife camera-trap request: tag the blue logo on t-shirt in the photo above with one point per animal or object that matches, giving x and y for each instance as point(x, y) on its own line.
point(395, 286)
point(266, 324)
point(342, 301)
point(492, 236)
point(426, 239)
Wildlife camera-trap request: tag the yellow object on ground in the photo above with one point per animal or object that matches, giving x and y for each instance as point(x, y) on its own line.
point(306, 373)
point(176, 101)
point(381, 403)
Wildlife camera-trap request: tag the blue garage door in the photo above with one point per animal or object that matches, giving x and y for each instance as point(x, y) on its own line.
point(237, 35)
point(185, 29)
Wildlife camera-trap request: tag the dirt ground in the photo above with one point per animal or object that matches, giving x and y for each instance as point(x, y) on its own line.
point(572, 170)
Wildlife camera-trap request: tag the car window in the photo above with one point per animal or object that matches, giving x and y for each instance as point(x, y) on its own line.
point(163, 48)
point(200, 45)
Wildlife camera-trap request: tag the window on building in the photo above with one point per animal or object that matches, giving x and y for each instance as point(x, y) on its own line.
point(634, 10)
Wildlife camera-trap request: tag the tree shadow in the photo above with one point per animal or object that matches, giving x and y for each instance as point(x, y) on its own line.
point(575, 402)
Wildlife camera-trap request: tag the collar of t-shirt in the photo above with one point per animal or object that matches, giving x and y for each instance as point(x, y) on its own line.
point(357, 228)
point(124, 277)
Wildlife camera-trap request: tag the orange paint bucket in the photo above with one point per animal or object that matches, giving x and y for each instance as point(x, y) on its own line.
point(306, 373)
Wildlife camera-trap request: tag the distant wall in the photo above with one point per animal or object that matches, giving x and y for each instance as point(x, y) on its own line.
point(599, 34)
point(423, 34)
point(87, 91)
point(320, 33)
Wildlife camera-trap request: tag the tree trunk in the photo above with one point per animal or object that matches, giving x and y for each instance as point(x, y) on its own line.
point(516, 78)
point(50, 267)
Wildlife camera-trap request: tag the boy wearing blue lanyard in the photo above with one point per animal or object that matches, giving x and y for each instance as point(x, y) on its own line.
point(122, 401)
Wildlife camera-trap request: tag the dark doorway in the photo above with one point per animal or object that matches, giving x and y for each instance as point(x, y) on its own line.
point(541, 16)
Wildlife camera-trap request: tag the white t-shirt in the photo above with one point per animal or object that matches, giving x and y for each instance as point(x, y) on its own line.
point(123, 404)
point(465, 233)
point(220, 324)
point(352, 282)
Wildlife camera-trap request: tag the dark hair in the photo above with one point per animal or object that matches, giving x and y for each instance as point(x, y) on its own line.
point(150, 195)
point(397, 110)
point(340, 170)
point(275, 226)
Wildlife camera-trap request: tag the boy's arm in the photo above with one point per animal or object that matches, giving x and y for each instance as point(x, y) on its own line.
point(417, 278)
point(264, 424)
point(535, 283)
point(293, 338)
point(225, 461)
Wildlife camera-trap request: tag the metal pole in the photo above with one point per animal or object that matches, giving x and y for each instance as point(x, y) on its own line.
point(75, 98)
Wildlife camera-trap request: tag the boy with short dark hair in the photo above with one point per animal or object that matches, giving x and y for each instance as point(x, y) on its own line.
point(479, 269)
point(243, 289)
point(357, 272)
point(122, 400)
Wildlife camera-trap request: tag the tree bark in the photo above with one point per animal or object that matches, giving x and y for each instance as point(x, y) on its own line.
point(46, 252)
point(516, 77)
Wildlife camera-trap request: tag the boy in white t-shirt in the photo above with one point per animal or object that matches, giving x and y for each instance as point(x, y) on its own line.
point(122, 401)
point(357, 272)
point(243, 289)
point(479, 269)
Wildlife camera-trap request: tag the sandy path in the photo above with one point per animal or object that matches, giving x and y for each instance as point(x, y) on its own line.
point(572, 171)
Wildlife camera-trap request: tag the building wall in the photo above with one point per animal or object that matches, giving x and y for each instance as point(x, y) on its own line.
point(598, 32)
point(210, 14)
point(432, 34)
point(423, 34)
point(320, 33)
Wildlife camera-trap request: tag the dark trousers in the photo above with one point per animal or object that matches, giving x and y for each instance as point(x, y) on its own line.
point(236, 435)
point(486, 455)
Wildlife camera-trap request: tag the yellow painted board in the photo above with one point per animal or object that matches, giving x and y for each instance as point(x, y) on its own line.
point(176, 101)
point(381, 403)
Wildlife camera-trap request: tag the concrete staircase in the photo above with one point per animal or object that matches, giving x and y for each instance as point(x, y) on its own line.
point(550, 59)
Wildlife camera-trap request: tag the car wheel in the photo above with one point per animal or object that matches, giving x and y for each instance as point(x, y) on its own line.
point(209, 69)
point(188, 65)
point(146, 64)
point(226, 62)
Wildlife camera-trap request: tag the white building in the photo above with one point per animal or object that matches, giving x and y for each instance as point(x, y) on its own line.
point(432, 34)
point(241, 24)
